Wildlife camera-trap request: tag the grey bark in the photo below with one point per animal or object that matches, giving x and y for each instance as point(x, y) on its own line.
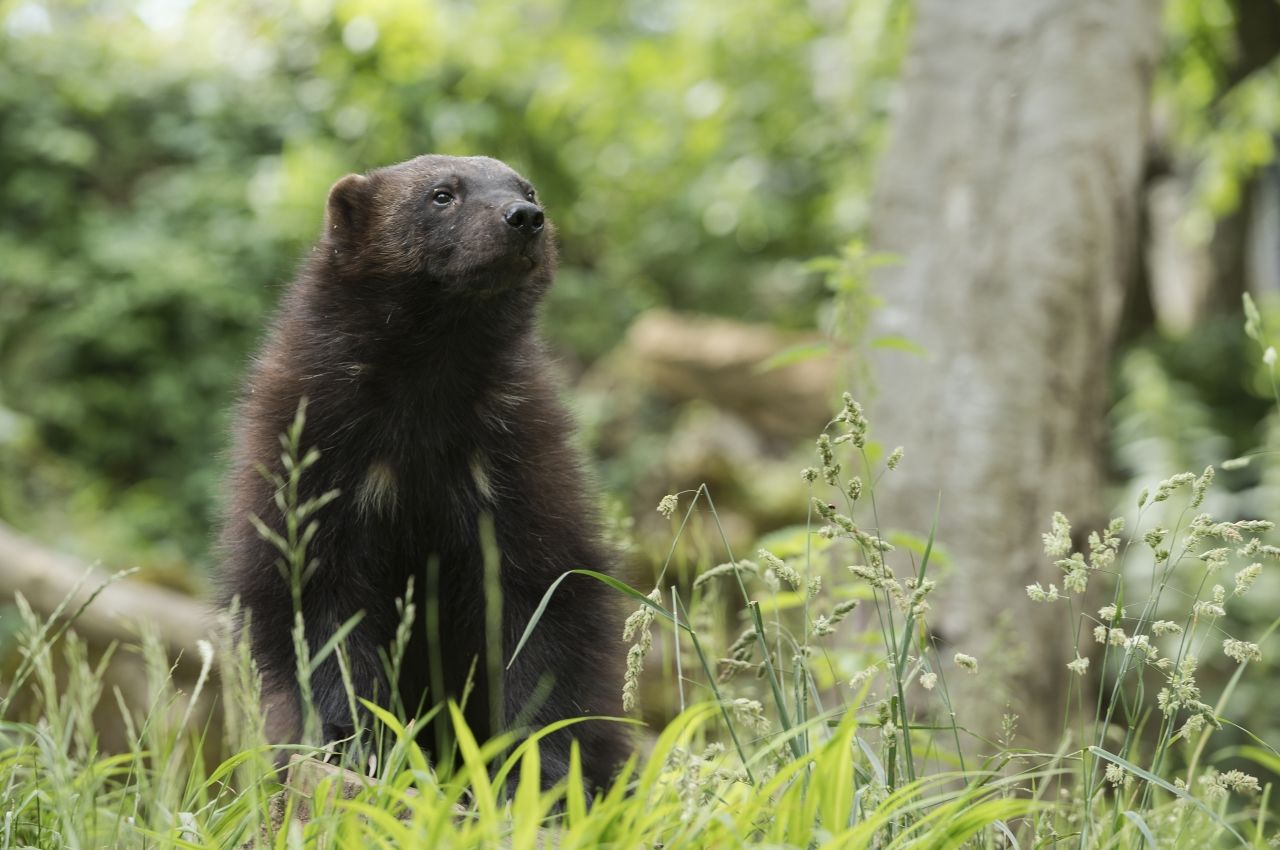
point(1010, 192)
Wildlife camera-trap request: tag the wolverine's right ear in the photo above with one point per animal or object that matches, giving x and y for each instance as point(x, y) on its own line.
point(348, 205)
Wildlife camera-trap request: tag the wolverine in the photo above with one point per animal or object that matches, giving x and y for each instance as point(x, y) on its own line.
point(411, 333)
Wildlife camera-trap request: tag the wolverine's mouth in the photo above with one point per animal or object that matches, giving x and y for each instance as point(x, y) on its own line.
point(506, 275)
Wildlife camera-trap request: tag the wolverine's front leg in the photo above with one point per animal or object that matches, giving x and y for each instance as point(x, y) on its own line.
point(335, 696)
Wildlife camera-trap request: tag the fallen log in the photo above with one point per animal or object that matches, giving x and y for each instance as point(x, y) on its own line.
point(48, 579)
point(727, 363)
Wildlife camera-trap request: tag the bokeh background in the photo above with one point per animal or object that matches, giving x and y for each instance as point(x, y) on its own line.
point(714, 171)
point(165, 166)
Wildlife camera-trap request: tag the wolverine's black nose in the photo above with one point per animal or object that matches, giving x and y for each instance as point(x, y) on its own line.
point(524, 216)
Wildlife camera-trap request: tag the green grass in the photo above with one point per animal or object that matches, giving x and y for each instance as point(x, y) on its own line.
point(799, 728)
point(726, 771)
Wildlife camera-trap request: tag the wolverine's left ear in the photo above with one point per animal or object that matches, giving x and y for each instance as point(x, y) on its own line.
point(348, 205)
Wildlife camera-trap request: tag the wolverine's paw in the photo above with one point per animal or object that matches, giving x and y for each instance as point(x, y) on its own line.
point(347, 745)
point(338, 736)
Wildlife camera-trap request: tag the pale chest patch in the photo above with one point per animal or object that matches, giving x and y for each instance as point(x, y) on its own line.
point(480, 475)
point(377, 495)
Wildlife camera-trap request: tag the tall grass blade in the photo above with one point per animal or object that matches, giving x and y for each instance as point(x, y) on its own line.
point(620, 586)
point(1168, 786)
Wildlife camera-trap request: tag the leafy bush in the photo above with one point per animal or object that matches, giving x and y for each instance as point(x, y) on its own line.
point(163, 170)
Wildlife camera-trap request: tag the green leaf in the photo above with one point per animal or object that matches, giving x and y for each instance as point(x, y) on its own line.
point(532, 741)
point(911, 616)
point(620, 586)
point(1143, 828)
point(1252, 320)
point(1000, 825)
point(1268, 760)
point(388, 719)
point(338, 637)
point(793, 541)
point(476, 770)
point(794, 354)
point(895, 342)
point(825, 264)
point(873, 760)
point(1172, 789)
point(783, 600)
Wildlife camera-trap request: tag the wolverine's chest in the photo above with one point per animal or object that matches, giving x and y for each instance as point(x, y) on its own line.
point(403, 479)
point(404, 487)
point(415, 470)
point(397, 514)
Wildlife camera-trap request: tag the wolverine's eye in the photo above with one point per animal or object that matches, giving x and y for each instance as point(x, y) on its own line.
point(442, 198)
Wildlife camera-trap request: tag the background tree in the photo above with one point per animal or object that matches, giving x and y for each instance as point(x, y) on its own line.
point(1009, 192)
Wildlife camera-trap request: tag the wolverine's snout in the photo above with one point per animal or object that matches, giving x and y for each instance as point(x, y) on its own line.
point(524, 217)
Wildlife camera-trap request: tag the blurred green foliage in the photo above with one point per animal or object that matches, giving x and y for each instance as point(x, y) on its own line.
point(1183, 405)
point(1186, 401)
point(163, 164)
point(1219, 93)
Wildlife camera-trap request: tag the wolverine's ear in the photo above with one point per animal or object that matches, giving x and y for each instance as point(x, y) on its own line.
point(348, 203)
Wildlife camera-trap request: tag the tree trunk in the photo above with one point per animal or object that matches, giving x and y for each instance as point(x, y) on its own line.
point(1010, 195)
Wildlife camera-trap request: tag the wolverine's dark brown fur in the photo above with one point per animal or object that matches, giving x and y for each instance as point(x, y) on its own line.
point(411, 332)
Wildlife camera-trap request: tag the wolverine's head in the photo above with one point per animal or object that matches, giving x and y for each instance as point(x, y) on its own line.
point(440, 227)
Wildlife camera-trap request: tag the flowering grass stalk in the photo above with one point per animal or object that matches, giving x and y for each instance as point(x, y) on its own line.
point(819, 717)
